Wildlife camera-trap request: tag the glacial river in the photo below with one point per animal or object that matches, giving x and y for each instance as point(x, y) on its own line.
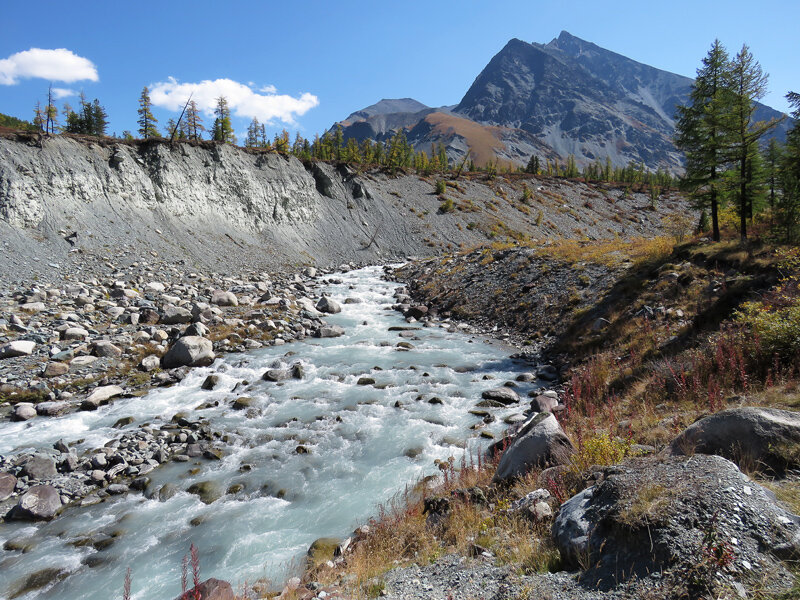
point(362, 451)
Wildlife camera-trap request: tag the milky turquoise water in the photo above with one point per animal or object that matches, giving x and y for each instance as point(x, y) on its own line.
point(363, 450)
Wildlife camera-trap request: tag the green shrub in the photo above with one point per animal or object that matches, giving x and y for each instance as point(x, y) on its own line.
point(441, 186)
point(598, 450)
point(446, 206)
point(778, 331)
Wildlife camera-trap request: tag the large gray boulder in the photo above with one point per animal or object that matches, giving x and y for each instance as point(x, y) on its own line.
point(39, 466)
point(665, 515)
point(189, 351)
point(503, 395)
point(754, 438)
point(329, 331)
point(17, 348)
point(101, 395)
point(223, 298)
point(7, 484)
point(41, 502)
point(539, 443)
point(24, 411)
point(176, 315)
point(328, 305)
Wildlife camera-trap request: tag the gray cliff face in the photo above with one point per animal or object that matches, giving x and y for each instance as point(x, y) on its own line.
point(66, 182)
point(65, 202)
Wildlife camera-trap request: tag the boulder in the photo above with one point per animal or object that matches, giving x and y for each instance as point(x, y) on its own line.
point(150, 363)
point(75, 333)
point(106, 349)
point(210, 382)
point(210, 589)
point(55, 369)
point(39, 466)
point(329, 331)
point(176, 315)
point(322, 550)
point(242, 402)
point(7, 484)
point(207, 491)
point(503, 395)
point(547, 372)
point(276, 375)
point(189, 351)
point(671, 516)
point(41, 502)
point(754, 438)
point(539, 443)
point(307, 305)
point(100, 395)
point(416, 312)
point(328, 305)
point(51, 409)
point(222, 298)
point(24, 411)
point(544, 403)
point(17, 348)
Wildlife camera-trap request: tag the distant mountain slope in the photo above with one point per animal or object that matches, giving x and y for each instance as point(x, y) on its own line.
point(387, 106)
point(568, 96)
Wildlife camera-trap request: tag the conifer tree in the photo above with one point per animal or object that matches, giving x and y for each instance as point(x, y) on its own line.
point(38, 116)
point(701, 133)
point(747, 83)
point(772, 160)
point(194, 122)
point(222, 131)
point(99, 119)
point(787, 206)
point(253, 132)
point(147, 122)
point(50, 112)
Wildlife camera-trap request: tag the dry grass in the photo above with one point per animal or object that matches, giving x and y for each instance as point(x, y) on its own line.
point(610, 253)
point(402, 533)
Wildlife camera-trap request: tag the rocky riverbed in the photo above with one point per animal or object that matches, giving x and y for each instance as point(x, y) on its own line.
point(114, 429)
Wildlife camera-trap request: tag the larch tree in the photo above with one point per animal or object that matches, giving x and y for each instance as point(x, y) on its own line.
point(701, 133)
point(747, 83)
point(50, 113)
point(194, 122)
point(787, 203)
point(38, 116)
point(147, 122)
point(222, 131)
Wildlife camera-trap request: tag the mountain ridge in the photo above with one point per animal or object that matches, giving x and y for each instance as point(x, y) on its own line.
point(566, 97)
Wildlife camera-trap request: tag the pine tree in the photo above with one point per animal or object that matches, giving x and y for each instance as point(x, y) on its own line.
point(700, 132)
point(747, 83)
point(194, 122)
point(222, 131)
point(147, 122)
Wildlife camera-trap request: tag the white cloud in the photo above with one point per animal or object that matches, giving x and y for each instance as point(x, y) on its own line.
point(63, 93)
point(243, 100)
point(56, 65)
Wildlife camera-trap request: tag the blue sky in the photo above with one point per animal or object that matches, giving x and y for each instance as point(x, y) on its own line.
point(305, 65)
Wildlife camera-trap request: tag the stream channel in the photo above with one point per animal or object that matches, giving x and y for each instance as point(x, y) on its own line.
point(362, 451)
